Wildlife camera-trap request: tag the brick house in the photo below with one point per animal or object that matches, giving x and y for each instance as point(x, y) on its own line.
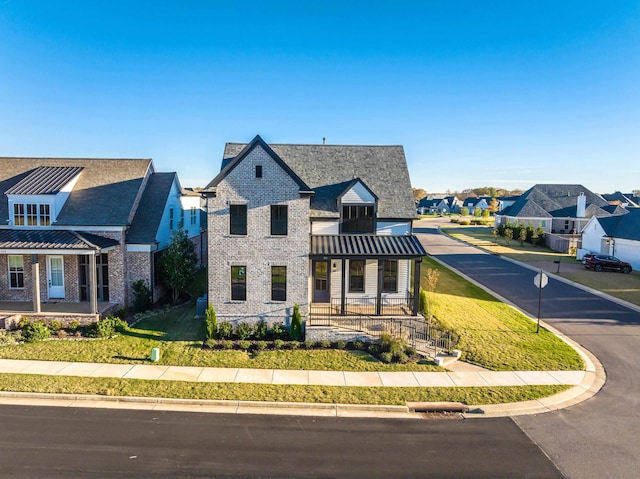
point(76, 233)
point(323, 226)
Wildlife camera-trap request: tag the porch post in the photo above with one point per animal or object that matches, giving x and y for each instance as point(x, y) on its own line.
point(379, 287)
point(35, 281)
point(343, 287)
point(93, 283)
point(416, 287)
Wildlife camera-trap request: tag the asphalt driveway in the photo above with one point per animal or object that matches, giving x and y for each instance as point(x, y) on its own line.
point(597, 438)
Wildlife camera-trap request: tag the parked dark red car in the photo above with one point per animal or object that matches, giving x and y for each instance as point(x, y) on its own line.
point(601, 262)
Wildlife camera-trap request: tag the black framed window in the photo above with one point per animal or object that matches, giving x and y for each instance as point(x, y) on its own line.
point(170, 218)
point(279, 220)
point(238, 219)
point(239, 283)
point(278, 283)
point(357, 219)
point(390, 276)
point(193, 216)
point(32, 215)
point(356, 276)
point(16, 272)
point(45, 215)
point(258, 171)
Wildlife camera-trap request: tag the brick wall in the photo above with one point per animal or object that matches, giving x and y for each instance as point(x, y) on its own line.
point(258, 250)
point(139, 266)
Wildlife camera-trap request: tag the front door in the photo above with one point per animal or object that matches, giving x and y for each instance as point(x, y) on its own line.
point(320, 281)
point(55, 276)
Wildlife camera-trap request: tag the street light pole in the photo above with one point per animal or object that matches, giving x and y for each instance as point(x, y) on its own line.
point(539, 302)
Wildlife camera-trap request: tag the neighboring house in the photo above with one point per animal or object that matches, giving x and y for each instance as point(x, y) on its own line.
point(472, 204)
point(76, 233)
point(505, 201)
point(624, 200)
point(314, 225)
point(557, 209)
point(614, 235)
point(434, 205)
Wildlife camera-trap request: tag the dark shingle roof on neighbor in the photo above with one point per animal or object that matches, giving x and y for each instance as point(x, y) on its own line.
point(146, 222)
point(104, 195)
point(327, 170)
point(555, 200)
point(626, 226)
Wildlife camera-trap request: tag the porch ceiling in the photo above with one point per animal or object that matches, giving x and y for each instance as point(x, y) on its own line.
point(345, 246)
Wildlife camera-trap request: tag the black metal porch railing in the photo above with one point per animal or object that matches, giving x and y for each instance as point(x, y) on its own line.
point(366, 305)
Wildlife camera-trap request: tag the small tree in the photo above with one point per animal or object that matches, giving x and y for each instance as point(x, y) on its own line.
point(534, 237)
point(464, 211)
point(142, 297)
point(210, 322)
point(178, 263)
point(433, 275)
point(477, 212)
point(522, 237)
point(295, 330)
point(508, 236)
point(493, 205)
point(495, 233)
point(485, 213)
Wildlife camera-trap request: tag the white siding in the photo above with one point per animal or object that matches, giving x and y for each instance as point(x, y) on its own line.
point(358, 194)
point(370, 280)
point(629, 251)
point(324, 227)
point(164, 231)
point(592, 236)
point(396, 228)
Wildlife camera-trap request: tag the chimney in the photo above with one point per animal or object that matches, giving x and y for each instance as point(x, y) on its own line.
point(582, 206)
point(324, 140)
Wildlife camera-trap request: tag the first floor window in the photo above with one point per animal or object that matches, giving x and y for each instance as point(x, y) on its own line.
point(16, 272)
point(278, 283)
point(239, 283)
point(356, 276)
point(390, 276)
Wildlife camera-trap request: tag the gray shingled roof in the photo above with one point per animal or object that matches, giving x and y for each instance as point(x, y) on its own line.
point(145, 224)
point(556, 201)
point(104, 194)
point(52, 239)
point(45, 180)
point(328, 169)
point(626, 226)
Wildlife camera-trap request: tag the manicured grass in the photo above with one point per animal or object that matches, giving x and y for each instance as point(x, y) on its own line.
point(179, 336)
point(492, 334)
point(622, 286)
point(270, 392)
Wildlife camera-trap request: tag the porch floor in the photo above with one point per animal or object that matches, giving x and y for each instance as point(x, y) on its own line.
point(16, 307)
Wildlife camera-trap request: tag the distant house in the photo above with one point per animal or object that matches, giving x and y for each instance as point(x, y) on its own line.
point(327, 227)
point(624, 200)
point(76, 233)
point(558, 209)
point(442, 205)
point(478, 203)
point(614, 235)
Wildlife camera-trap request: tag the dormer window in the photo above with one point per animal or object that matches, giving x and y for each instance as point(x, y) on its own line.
point(31, 214)
point(357, 219)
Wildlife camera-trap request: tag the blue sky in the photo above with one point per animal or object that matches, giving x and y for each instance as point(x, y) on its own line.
point(494, 93)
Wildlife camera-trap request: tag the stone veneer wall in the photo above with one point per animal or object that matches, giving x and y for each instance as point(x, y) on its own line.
point(328, 333)
point(258, 250)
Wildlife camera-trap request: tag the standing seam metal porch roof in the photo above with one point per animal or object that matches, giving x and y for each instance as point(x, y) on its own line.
point(366, 245)
point(53, 239)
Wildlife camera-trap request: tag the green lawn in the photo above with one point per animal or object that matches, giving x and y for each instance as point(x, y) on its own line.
point(269, 392)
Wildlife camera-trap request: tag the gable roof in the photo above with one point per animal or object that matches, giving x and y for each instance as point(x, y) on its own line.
point(44, 180)
point(620, 197)
point(145, 224)
point(555, 200)
point(626, 226)
point(104, 195)
point(328, 169)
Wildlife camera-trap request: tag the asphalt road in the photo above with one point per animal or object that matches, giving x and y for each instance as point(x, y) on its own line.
point(599, 437)
point(43, 442)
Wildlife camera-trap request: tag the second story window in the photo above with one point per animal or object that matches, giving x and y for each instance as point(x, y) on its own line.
point(238, 219)
point(18, 215)
point(32, 215)
point(357, 219)
point(170, 218)
point(279, 220)
point(45, 215)
point(193, 215)
point(258, 171)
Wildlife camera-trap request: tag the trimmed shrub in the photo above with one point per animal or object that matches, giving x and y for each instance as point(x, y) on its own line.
point(226, 344)
point(244, 330)
point(244, 344)
point(107, 327)
point(260, 331)
point(293, 345)
point(278, 344)
point(211, 343)
point(74, 324)
point(296, 324)
point(261, 345)
point(55, 325)
point(359, 345)
point(373, 349)
point(35, 331)
point(400, 358)
point(324, 343)
point(386, 357)
point(309, 344)
point(142, 297)
point(61, 333)
point(423, 302)
point(341, 344)
point(210, 322)
point(225, 330)
point(278, 331)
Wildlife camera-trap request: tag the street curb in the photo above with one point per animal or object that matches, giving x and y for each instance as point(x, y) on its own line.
point(206, 405)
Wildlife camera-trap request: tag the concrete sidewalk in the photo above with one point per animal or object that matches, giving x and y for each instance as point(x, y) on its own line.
point(301, 377)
